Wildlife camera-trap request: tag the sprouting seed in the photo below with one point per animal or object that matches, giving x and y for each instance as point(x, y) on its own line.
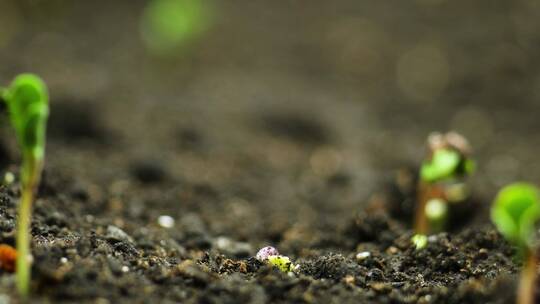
point(271, 256)
point(281, 262)
point(266, 252)
point(441, 180)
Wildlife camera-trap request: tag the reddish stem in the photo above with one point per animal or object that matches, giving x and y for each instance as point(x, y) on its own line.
point(424, 192)
point(526, 290)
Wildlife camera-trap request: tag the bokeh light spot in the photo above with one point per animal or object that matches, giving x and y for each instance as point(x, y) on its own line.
point(168, 25)
point(423, 72)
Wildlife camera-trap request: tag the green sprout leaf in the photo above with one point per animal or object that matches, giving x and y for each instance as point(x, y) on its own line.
point(442, 165)
point(27, 100)
point(515, 212)
point(281, 262)
point(419, 241)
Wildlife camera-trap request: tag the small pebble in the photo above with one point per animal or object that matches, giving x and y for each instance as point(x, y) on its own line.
point(265, 252)
point(380, 286)
point(483, 253)
point(63, 260)
point(166, 221)
point(349, 279)
point(118, 234)
point(392, 250)
point(363, 255)
point(125, 268)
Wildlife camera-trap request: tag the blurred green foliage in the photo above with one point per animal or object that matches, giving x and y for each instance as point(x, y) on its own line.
point(515, 212)
point(442, 165)
point(170, 25)
point(445, 164)
point(27, 99)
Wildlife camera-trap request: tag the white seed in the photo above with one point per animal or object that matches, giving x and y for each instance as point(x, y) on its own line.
point(363, 255)
point(166, 221)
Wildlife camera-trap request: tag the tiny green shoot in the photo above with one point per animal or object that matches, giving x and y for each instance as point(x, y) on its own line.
point(281, 262)
point(419, 241)
point(27, 102)
point(515, 213)
point(441, 179)
point(442, 165)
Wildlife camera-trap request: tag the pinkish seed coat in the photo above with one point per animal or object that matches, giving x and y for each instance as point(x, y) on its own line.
point(265, 252)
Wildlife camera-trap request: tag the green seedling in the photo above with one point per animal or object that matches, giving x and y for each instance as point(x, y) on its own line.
point(281, 262)
point(271, 256)
point(419, 241)
point(516, 212)
point(27, 103)
point(441, 180)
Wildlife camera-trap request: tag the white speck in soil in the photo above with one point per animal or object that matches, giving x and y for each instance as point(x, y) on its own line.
point(166, 221)
point(63, 260)
point(363, 255)
point(432, 238)
point(125, 268)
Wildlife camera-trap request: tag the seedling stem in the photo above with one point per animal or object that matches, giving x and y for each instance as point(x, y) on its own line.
point(30, 179)
point(527, 282)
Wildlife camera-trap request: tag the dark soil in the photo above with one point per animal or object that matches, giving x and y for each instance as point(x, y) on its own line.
point(268, 131)
point(90, 245)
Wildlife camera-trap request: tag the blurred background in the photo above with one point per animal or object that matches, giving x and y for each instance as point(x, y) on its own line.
point(277, 96)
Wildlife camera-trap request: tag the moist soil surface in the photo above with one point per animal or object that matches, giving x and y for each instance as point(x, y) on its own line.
point(287, 124)
point(95, 246)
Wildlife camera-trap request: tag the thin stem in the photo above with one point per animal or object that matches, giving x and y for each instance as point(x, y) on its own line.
point(420, 220)
point(23, 240)
point(425, 191)
point(527, 282)
point(30, 176)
